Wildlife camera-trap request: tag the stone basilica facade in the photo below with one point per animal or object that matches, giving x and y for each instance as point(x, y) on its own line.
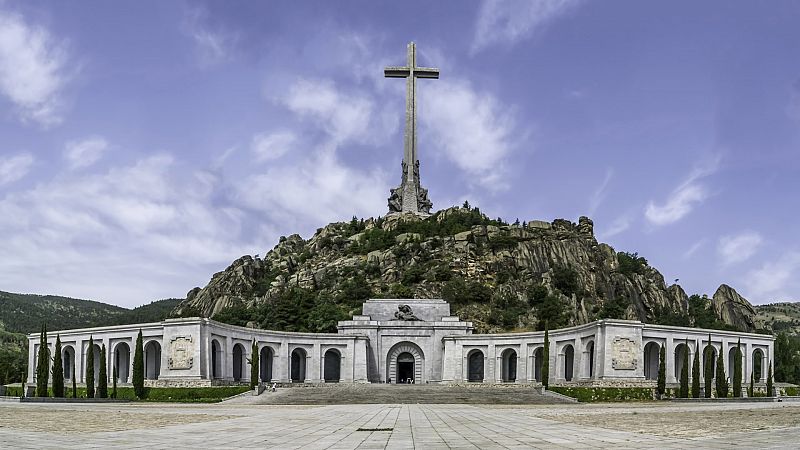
point(401, 341)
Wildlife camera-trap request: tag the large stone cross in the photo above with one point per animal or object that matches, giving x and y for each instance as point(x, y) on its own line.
point(410, 197)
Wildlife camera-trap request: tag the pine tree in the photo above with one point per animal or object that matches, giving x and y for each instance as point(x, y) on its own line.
point(43, 365)
point(138, 367)
point(696, 371)
point(102, 383)
point(662, 372)
point(684, 389)
point(751, 389)
point(546, 359)
point(769, 381)
point(708, 367)
point(90, 369)
point(114, 383)
point(737, 370)
point(254, 366)
point(721, 384)
point(74, 382)
point(58, 370)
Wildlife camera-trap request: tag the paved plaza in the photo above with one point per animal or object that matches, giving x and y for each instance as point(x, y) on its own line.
point(243, 425)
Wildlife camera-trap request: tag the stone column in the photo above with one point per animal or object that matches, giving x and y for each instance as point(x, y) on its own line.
point(577, 361)
point(315, 375)
point(227, 371)
point(80, 362)
point(669, 360)
point(530, 371)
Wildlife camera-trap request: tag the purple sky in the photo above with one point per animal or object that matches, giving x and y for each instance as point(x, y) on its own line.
point(146, 145)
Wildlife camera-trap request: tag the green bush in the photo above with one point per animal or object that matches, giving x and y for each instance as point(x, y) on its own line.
point(792, 391)
point(176, 395)
point(590, 395)
point(631, 263)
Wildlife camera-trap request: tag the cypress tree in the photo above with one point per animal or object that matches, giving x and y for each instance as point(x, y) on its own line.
point(769, 381)
point(90, 369)
point(114, 383)
point(721, 384)
point(696, 371)
point(58, 370)
point(546, 359)
point(684, 389)
point(74, 383)
point(737, 370)
point(138, 367)
point(42, 365)
point(102, 383)
point(708, 368)
point(254, 366)
point(662, 371)
point(751, 389)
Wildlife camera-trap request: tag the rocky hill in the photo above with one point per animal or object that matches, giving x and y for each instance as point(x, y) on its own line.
point(779, 317)
point(501, 276)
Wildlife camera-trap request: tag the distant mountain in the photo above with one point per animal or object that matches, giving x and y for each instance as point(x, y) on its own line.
point(25, 313)
point(779, 317)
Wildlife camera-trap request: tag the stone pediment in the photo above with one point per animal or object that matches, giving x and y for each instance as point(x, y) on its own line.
point(385, 309)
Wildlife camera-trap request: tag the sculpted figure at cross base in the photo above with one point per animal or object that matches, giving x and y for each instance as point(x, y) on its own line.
point(404, 312)
point(410, 196)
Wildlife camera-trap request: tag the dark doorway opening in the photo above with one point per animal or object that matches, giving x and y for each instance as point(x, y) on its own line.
point(405, 368)
point(475, 367)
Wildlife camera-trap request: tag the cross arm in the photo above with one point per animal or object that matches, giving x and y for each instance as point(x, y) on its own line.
point(396, 72)
point(426, 72)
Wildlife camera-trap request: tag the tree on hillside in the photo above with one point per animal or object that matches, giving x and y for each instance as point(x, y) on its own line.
point(254, 365)
point(721, 378)
point(684, 381)
point(58, 370)
point(770, 392)
point(662, 372)
point(102, 383)
point(138, 367)
point(90, 369)
point(42, 365)
point(737, 370)
point(546, 359)
point(696, 371)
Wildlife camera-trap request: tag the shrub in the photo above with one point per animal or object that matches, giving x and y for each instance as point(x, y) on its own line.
point(721, 380)
point(631, 263)
point(565, 279)
point(737, 370)
point(589, 394)
point(684, 381)
point(770, 389)
point(254, 365)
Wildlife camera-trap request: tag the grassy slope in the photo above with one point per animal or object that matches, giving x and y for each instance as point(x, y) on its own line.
point(779, 317)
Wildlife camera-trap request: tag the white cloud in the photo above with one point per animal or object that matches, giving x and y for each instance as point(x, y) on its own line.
point(129, 235)
point(213, 46)
point(694, 248)
point(86, 152)
point(32, 65)
point(510, 21)
point(269, 146)
point(318, 190)
point(683, 199)
point(773, 279)
point(618, 226)
point(473, 129)
point(738, 248)
point(15, 167)
point(599, 195)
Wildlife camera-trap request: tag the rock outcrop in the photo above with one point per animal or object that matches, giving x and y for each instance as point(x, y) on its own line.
point(733, 309)
point(405, 255)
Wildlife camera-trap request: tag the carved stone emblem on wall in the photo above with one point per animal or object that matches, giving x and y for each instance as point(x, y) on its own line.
point(624, 353)
point(404, 312)
point(181, 350)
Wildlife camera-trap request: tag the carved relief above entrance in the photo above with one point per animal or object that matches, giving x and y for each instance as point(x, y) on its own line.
point(624, 353)
point(181, 350)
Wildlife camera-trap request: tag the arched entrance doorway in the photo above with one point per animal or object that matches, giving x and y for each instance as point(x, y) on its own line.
point(732, 364)
point(509, 365)
point(404, 364)
point(475, 366)
point(298, 365)
point(681, 352)
point(265, 363)
point(238, 362)
point(651, 350)
point(758, 365)
point(569, 362)
point(709, 360)
point(152, 360)
point(590, 359)
point(333, 366)
point(69, 361)
point(122, 361)
point(216, 360)
point(95, 360)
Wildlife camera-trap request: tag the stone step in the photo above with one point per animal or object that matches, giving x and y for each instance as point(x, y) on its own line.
point(407, 394)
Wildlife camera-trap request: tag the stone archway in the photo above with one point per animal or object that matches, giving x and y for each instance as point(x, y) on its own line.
point(569, 362)
point(412, 363)
point(298, 365)
point(680, 353)
point(651, 350)
point(216, 360)
point(239, 362)
point(589, 358)
point(475, 366)
point(152, 360)
point(758, 365)
point(68, 358)
point(538, 363)
point(508, 374)
point(265, 363)
point(332, 369)
point(122, 361)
